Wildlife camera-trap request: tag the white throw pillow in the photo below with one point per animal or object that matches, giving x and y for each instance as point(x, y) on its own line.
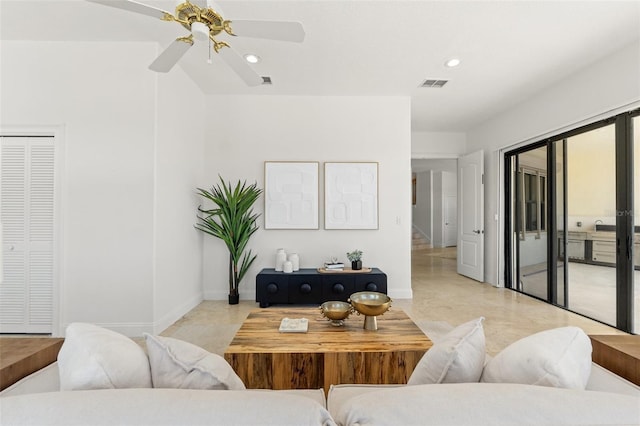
point(560, 357)
point(93, 357)
point(457, 358)
point(182, 365)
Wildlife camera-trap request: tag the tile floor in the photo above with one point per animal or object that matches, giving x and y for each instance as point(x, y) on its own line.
point(592, 290)
point(439, 294)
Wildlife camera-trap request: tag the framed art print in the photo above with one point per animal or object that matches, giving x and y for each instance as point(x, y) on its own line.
point(291, 195)
point(351, 195)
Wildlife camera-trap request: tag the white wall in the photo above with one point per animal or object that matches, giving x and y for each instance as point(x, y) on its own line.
point(179, 169)
point(246, 131)
point(575, 100)
point(105, 97)
point(438, 144)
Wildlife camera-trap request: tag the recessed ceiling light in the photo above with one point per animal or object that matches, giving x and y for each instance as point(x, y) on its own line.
point(251, 58)
point(454, 62)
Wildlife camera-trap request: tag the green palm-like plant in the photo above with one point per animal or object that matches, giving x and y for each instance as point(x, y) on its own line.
point(234, 222)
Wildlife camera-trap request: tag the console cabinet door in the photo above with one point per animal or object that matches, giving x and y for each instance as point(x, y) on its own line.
point(338, 287)
point(271, 288)
point(371, 282)
point(304, 289)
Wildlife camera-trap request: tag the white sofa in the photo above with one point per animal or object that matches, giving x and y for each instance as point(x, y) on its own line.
point(37, 400)
point(608, 400)
point(103, 378)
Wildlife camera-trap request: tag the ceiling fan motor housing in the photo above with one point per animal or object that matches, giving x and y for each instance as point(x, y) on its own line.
point(202, 22)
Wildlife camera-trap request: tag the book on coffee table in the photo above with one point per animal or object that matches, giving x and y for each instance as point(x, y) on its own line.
point(294, 325)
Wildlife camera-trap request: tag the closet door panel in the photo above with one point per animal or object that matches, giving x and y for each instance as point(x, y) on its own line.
point(27, 215)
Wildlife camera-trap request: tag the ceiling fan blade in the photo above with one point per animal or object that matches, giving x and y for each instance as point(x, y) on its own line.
point(272, 30)
point(240, 66)
point(134, 6)
point(202, 4)
point(171, 55)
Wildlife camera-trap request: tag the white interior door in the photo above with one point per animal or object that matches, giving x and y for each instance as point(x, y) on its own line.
point(471, 216)
point(450, 220)
point(27, 217)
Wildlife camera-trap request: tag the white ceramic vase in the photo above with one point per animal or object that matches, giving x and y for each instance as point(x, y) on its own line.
point(281, 257)
point(295, 261)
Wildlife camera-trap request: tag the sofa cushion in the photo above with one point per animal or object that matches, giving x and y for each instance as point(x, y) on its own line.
point(487, 404)
point(560, 357)
point(457, 357)
point(164, 407)
point(93, 357)
point(182, 365)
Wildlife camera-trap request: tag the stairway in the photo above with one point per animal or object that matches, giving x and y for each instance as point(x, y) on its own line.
point(418, 241)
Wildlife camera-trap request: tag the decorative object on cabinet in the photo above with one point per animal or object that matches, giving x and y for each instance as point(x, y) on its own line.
point(234, 222)
point(291, 195)
point(281, 257)
point(295, 261)
point(351, 195)
point(355, 257)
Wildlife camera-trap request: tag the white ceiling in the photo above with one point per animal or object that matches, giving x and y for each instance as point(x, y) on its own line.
point(509, 49)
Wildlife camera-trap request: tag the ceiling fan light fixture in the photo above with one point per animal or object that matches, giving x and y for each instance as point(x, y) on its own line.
point(200, 31)
point(251, 58)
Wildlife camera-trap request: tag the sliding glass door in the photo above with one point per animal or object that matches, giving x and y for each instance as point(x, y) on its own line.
point(570, 231)
point(590, 203)
point(529, 220)
point(635, 290)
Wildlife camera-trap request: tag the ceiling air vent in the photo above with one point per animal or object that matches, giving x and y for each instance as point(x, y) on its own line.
point(436, 84)
point(266, 80)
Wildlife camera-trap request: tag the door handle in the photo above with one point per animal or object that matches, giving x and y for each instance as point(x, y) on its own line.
point(476, 231)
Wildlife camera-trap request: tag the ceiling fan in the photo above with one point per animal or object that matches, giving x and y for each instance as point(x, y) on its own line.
point(205, 24)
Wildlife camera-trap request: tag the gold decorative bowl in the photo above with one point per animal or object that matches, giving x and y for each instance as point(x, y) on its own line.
point(336, 311)
point(371, 304)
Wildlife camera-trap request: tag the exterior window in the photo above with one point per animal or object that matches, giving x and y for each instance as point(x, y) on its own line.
point(533, 201)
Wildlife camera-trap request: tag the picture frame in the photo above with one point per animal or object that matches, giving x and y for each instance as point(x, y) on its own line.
point(351, 195)
point(291, 195)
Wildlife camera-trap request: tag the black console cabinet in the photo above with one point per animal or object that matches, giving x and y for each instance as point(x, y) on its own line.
point(308, 286)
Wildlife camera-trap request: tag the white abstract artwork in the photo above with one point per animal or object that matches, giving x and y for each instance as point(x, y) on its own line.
point(351, 196)
point(291, 195)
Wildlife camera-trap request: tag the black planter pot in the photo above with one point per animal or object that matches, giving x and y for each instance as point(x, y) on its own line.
point(234, 299)
point(356, 265)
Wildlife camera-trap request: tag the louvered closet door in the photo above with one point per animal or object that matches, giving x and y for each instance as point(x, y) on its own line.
point(27, 216)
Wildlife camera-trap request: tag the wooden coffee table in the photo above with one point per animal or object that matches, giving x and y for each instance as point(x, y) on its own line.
point(265, 358)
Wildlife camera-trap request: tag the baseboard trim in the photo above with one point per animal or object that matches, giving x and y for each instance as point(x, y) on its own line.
point(136, 329)
point(177, 313)
point(220, 295)
point(128, 329)
point(400, 294)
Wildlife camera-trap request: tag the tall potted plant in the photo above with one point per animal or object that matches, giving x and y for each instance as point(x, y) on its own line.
point(234, 222)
